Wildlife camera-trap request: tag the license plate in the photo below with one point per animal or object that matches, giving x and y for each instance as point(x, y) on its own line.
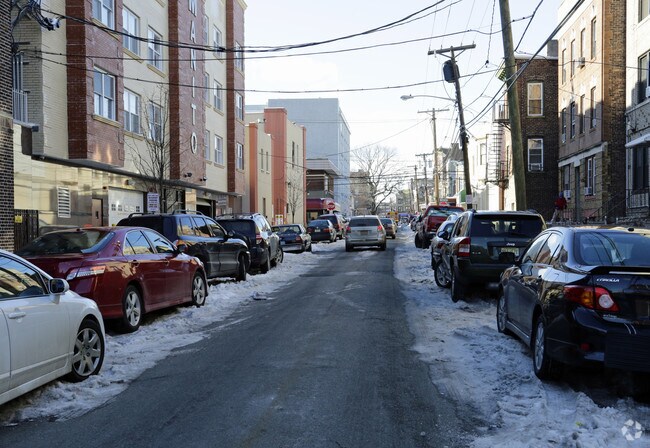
point(643, 309)
point(282, 243)
point(514, 250)
point(364, 232)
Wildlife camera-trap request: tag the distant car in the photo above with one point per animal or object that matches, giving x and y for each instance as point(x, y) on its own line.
point(263, 243)
point(365, 230)
point(390, 227)
point(429, 222)
point(293, 237)
point(128, 271)
point(222, 254)
point(46, 330)
point(321, 230)
point(578, 296)
point(338, 222)
point(439, 240)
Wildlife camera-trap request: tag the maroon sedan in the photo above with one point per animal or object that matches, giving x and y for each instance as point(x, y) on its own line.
point(128, 271)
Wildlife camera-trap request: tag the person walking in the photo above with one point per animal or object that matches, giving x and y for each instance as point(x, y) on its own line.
point(560, 206)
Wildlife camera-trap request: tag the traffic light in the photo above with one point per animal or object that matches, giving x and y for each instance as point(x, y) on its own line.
point(450, 71)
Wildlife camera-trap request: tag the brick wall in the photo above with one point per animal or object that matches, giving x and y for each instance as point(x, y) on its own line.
point(234, 83)
point(6, 131)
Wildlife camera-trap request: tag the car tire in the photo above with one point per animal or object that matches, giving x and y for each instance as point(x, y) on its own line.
point(502, 315)
point(440, 278)
point(199, 290)
point(88, 353)
point(266, 264)
point(543, 366)
point(382, 247)
point(241, 269)
point(132, 309)
point(279, 256)
point(309, 247)
point(426, 244)
point(418, 241)
point(348, 248)
point(457, 290)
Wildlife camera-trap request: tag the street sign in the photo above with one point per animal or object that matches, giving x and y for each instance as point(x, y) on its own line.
point(331, 206)
point(153, 202)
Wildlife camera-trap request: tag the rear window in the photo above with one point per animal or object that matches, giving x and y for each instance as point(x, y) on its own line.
point(514, 226)
point(364, 222)
point(612, 249)
point(74, 242)
point(245, 227)
point(318, 223)
point(289, 229)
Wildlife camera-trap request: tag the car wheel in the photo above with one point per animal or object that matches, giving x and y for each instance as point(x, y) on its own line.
point(543, 366)
point(394, 236)
point(456, 288)
point(132, 309)
point(88, 354)
point(502, 315)
point(426, 243)
point(440, 276)
point(266, 264)
point(418, 241)
point(279, 256)
point(383, 246)
point(199, 290)
point(309, 247)
point(348, 248)
point(241, 269)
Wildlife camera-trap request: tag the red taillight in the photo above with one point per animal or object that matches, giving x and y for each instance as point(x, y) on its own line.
point(348, 230)
point(258, 239)
point(326, 229)
point(593, 298)
point(464, 247)
point(85, 271)
point(380, 228)
point(298, 239)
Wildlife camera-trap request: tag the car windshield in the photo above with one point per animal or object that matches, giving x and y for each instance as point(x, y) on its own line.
point(319, 223)
point(612, 249)
point(364, 222)
point(56, 243)
point(495, 225)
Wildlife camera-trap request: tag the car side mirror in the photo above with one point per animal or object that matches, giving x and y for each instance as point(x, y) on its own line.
point(181, 248)
point(59, 286)
point(444, 235)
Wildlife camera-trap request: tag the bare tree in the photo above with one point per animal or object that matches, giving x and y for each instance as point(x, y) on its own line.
point(295, 192)
point(378, 173)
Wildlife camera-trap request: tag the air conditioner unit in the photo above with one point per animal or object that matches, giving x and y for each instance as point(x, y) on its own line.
point(581, 62)
point(567, 194)
point(589, 191)
point(534, 167)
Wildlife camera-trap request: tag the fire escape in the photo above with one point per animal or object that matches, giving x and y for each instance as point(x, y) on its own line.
point(498, 161)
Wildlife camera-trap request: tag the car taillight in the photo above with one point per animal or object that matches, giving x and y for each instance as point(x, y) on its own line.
point(593, 298)
point(326, 229)
point(347, 229)
point(380, 229)
point(85, 271)
point(298, 239)
point(258, 239)
point(464, 247)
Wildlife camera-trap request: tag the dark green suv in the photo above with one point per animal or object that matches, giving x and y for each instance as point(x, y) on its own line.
point(478, 243)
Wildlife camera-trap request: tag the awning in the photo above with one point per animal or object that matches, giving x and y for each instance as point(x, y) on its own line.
point(638, 141)
point(203, 202)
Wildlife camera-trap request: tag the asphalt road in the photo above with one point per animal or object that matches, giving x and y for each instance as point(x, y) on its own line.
point(326, 363)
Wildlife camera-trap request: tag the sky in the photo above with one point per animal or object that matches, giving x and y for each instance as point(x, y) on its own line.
point(392, 63)
point(487, 373)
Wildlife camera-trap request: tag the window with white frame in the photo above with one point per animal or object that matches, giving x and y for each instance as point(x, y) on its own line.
point(572, 117)
point(20, 104)
point(218, 95)
point(104, 94)
point(482, 151)
point(154, 52)
point(217, 40)
point(267, 162)
point(261, 159)
point(590, 181)
point(104, 11)
point(563, 62)
point(206, 30)
point(239, 106)
point(594, 38)
point(566, 178)
point(206, 87)
point(583, 38)
point(640, 168)
point(535, 99)
point(239, 160)
point(563, 121)
point(131, 112)
point(218, 149)
point(573, 57)
point(155, 122)
point(582, 114)
point(206, 145)
point(131, 30)
point(239, 57)
point(535, 154)
point(643, 77)
point(592, 111)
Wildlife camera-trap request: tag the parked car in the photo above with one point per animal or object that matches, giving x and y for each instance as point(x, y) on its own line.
point(439, 240)
point(223, 254)
point(321, 230)
point(128, 271)
point(389, 226)
point(365, 230)
point(479, 242)
point(580, 295)
point(293, 237)
point(338, 222)
point(429, 222)
point(46, 330)
point(263, 243)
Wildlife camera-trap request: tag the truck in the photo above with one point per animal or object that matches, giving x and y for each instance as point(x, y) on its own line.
point(430, 220)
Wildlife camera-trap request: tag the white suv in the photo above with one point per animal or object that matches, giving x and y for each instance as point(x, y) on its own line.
point(365, 230)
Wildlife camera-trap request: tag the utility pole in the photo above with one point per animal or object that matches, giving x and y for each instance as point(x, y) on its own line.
point(417, 191)
point(513, 107)
point(451, 74)
point(436, 174)
point(426, 180)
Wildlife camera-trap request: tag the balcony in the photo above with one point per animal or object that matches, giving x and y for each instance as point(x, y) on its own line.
point(20, 106)
point(500, 112)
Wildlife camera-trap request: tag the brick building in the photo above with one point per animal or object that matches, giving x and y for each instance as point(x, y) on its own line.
point(6, 131)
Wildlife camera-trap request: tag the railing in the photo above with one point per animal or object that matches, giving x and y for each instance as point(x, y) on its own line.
point(500, 112)
point(20, 106)
point(638, 198)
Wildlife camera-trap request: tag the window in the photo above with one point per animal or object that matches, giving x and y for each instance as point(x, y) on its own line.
point(206, 87)
point(19, 94)
point(261, 159)
point(218, 149)
point(103, 10)
point(155, 122)
point(644, 9)
point(239, 57)
point(19, 280)
point(206, 145)
point(582, 114)
point(482, 151)
point(63, 204)
point(218, 95)
point(135, 243)
point(154, 52)
point(640, 168)
point(206, 30)
point(159, 242)
point(239, 106)
point(563, 119)
point(643, 77)
point(566, 178)
point(131, 30)
point(593, 38)
point(592, 104)
point(267, 161)
point(573, 57)
point(293, 153)
point(563, 62)
point(582, 43)
point(217, 41)
point(104, 94)
point(239, 161)
point(535, 98)
point(535, 154)
point(131, 112)
point(591, 176)
point(572, 113)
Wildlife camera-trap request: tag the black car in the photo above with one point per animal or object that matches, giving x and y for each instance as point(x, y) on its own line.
point(441, 239)
point(293, 237)
point(338, 221)
point(263, 243)
point(581, 295)
point(321, 230)
point(222, 253)
point(479, 242)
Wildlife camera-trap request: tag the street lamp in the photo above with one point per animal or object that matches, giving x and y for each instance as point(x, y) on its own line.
point(435, 144)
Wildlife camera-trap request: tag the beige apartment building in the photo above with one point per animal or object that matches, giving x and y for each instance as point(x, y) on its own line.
point(116, 118)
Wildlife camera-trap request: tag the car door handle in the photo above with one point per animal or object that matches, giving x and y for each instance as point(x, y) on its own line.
point(16, 315)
